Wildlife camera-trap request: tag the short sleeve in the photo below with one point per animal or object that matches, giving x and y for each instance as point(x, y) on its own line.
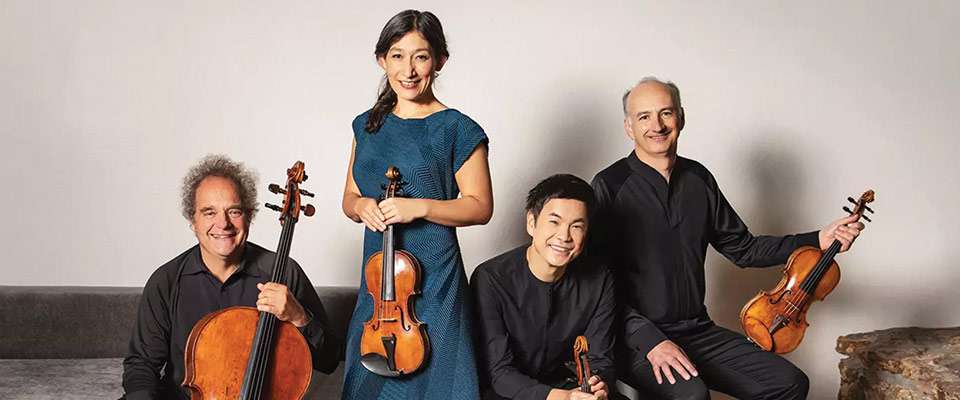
point(469, 136)
point(359, 125)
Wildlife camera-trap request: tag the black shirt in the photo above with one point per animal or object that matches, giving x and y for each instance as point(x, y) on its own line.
point(654, 237)
point(183, 291)
point(527, 326)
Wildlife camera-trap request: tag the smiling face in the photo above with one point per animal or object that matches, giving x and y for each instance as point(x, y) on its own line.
point(219, 221)
point(558, 233)
point(410, 67)
point(653, 121)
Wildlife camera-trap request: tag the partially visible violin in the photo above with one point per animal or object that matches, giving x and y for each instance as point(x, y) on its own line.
point(580, 348)
point(776, 320)
point(394, 342)
point(242, 353)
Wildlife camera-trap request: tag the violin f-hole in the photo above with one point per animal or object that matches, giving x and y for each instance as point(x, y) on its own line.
point(772, 301)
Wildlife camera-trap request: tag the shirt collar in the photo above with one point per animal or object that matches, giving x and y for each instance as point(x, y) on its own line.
point(195, 263)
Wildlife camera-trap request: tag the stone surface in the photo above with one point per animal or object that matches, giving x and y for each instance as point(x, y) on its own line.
point(901, 364)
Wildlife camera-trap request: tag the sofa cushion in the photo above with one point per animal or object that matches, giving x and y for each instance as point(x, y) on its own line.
point(99, 378)
point(95, 322)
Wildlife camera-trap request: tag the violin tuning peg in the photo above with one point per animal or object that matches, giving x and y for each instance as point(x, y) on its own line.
point(308, 210)
point(305, 177)
point(380, 198)
point(273, 207)
point(275, 188)
point(868, 209)
point(866, 218)
point(850, 199)
point(383, 186)
point(847, 209)
point(306, 193)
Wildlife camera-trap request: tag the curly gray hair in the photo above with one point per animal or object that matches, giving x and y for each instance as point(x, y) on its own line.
point(244, 180)
point(672, 87)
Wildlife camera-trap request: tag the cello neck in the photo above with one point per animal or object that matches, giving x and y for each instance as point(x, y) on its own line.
point(283, 249)
point(387, 287)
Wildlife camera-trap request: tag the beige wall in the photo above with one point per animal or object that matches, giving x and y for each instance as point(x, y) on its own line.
point(794, 107)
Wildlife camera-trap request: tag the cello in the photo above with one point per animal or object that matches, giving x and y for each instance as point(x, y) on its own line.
point(394, 342)
point(776, 320)
point(232, 353)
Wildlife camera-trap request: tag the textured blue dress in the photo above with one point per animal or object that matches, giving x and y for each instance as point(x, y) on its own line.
point(428, 151)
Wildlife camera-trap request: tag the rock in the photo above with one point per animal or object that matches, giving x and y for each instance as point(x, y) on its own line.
point(901, 364)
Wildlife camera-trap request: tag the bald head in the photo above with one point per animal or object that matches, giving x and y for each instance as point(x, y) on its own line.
point(646, 83)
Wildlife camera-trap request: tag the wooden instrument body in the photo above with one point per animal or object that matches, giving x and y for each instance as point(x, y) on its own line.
point(219, 345)
point(760, 313)
point(395, 318)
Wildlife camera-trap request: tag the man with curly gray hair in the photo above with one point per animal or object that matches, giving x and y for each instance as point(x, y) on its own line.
point(223, 270)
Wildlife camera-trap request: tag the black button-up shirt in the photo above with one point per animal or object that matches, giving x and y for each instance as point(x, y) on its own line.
point(528, 327)
point(183, 291)
point(654, 237)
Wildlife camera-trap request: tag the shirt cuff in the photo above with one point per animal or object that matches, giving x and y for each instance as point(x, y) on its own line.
point(644, 340)
point(310, 329)
point(809, 239)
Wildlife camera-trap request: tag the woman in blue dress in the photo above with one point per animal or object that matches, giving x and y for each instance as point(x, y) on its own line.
point(442, 153)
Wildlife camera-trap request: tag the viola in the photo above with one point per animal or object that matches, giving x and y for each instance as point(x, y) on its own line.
point(242, 353)
point(394, 342)
point(776, 320)
point(580, 348)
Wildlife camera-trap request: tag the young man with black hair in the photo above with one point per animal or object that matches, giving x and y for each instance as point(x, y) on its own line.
point(533, 302)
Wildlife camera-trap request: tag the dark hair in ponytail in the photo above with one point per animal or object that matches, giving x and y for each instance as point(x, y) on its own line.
point(428, 25)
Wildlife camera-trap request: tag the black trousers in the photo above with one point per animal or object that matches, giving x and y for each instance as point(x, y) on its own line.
point(726, 362)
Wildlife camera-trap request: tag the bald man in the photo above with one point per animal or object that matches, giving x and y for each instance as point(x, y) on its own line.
point(656, 213)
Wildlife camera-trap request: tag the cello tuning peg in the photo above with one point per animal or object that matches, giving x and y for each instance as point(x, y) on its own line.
point(308, 210)
point(273, 207)
point(866, 218)
point(847, 209)
point(306, 193)
point(275, 188)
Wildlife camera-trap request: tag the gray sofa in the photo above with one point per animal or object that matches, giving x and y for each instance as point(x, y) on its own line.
point(65, 342)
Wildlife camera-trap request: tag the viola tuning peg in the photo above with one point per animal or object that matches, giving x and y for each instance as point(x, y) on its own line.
point(308, 210)
point(273, 207)
point(275, 188)
point(866, 218)
point(306, 193)
point(847, 209)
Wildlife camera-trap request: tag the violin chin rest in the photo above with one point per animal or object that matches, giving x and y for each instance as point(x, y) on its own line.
point(758, 333)
point(377, 364)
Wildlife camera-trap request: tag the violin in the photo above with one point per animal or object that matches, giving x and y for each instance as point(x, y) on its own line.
point(580, 348)
point(234, 352)
point(394, 342)
point(776, 320)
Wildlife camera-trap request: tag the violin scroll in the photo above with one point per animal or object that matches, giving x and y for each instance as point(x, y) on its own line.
point(580, 348)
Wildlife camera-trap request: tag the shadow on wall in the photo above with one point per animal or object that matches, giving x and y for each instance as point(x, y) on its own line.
point(574, 138)
point(775, 173)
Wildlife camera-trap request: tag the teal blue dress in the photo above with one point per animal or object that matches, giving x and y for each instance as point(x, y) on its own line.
point(428, 151)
